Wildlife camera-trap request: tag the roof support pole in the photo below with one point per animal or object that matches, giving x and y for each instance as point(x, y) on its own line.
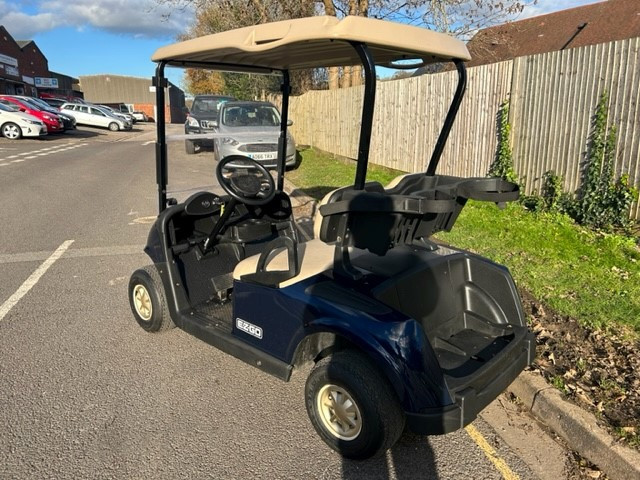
point(451, 116)
point(160, 82)
point(284, 119)
point(367, 113)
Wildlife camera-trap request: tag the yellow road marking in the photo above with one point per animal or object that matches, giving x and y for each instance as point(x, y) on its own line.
point(491, 454)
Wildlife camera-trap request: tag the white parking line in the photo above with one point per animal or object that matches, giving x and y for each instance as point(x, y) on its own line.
point(33, 279)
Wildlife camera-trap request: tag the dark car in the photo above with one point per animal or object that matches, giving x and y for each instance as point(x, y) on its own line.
point(201, 119)
point(54, 102)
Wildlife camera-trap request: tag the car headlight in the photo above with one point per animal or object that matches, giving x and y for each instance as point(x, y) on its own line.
point(34, 122)
point(193, 122)
point(47, 117)
point(230, 141)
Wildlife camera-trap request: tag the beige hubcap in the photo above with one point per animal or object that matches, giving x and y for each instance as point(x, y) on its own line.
point(142, 302)
point(339, 412)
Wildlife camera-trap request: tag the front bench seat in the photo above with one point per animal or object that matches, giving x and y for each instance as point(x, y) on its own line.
point(313, 258)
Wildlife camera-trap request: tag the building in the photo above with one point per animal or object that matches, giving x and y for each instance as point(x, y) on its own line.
point(601, 22)
point(135, 92)
point(24, 70)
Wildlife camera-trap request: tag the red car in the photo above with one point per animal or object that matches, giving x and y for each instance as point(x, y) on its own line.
point(51, 120)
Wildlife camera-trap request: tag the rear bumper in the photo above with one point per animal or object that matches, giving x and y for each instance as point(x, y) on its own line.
point(470, 401)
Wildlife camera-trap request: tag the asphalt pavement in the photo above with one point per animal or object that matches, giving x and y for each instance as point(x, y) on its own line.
point(86, 393)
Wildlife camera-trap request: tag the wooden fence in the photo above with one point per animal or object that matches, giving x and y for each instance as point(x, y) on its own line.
point(553, 99)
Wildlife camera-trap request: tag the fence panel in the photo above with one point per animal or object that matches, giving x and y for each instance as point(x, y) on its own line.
point(554, 97)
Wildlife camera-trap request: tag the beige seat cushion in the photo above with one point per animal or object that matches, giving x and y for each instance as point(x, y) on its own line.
point(314, 257)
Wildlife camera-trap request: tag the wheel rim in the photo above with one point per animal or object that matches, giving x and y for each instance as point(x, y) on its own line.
point(142, 302)
point(339, 412)
point(11, 131)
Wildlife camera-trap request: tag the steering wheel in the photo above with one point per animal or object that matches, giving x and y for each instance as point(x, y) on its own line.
point(245, 180)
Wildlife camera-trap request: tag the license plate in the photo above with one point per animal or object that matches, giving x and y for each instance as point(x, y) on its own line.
point(264, 156)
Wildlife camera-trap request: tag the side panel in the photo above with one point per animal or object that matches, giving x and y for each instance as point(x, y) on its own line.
point(395, 343)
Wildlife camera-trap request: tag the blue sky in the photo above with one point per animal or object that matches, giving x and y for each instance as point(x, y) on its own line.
point(88, 37)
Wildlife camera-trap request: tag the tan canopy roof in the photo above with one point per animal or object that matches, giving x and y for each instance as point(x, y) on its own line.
point(313, 42)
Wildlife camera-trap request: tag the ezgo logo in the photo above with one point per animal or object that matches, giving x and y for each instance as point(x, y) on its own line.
point(249, 328)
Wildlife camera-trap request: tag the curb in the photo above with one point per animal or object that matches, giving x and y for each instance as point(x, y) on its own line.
point(577, 427)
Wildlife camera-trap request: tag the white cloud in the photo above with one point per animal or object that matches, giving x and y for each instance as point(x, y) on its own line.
point(141, 18)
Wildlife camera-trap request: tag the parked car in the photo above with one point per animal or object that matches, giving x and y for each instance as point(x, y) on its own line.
point(94, 116)
point(68, 122)
point(125, 115)
point(54, 102)
point(15, 124)
point(253, 129)
point(51, 120)
point(201, 119)
point(140, 116)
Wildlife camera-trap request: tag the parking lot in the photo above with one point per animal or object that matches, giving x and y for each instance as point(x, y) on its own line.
point(85, 393)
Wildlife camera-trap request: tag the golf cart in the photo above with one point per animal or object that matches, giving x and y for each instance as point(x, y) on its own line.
point(401, 331)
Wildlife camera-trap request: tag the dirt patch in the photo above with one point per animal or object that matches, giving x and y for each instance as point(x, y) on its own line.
point(597, 370)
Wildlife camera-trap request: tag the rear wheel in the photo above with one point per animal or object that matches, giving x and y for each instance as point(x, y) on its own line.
point(113, 126)
point(352, 407)
point(189, 147)
point(148, 301)
point(11, 131)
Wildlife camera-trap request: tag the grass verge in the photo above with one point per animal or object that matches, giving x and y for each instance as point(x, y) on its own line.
point(319, 173)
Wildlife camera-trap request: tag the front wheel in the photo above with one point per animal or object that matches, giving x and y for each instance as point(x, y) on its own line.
point(189, 147)
point(11, 131)
point(113, 126)
point(352, 407)
point(148, 301)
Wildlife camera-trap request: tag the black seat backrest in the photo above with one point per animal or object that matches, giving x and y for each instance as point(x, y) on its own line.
point(407, 214)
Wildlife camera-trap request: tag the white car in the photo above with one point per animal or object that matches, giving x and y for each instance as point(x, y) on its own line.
point(140, 116)
point(94, 116)
point(124, 116)
point(15, 124)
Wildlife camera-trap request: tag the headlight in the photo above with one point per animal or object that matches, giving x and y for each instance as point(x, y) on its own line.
point(193, 122)
point(34, 122)
point(47, 117)
point(230, 141)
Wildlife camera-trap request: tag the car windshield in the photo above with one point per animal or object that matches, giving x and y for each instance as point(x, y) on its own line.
point(251, 116)
point(31, 105)
point(40, 103)
point(4, 108)
point(208, 105)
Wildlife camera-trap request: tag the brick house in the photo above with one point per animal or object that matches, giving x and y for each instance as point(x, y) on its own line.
point(24, 70)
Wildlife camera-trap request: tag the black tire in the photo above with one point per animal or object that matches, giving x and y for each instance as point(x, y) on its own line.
point(11, 131)
point(376, 420)
point(114, 127)
point(148, 301)
point(189, 147)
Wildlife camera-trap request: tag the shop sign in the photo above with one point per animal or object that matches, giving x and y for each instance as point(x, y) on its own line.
point(11, 71)
point(8, 60)
point(43, 82)
point(28, 80)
